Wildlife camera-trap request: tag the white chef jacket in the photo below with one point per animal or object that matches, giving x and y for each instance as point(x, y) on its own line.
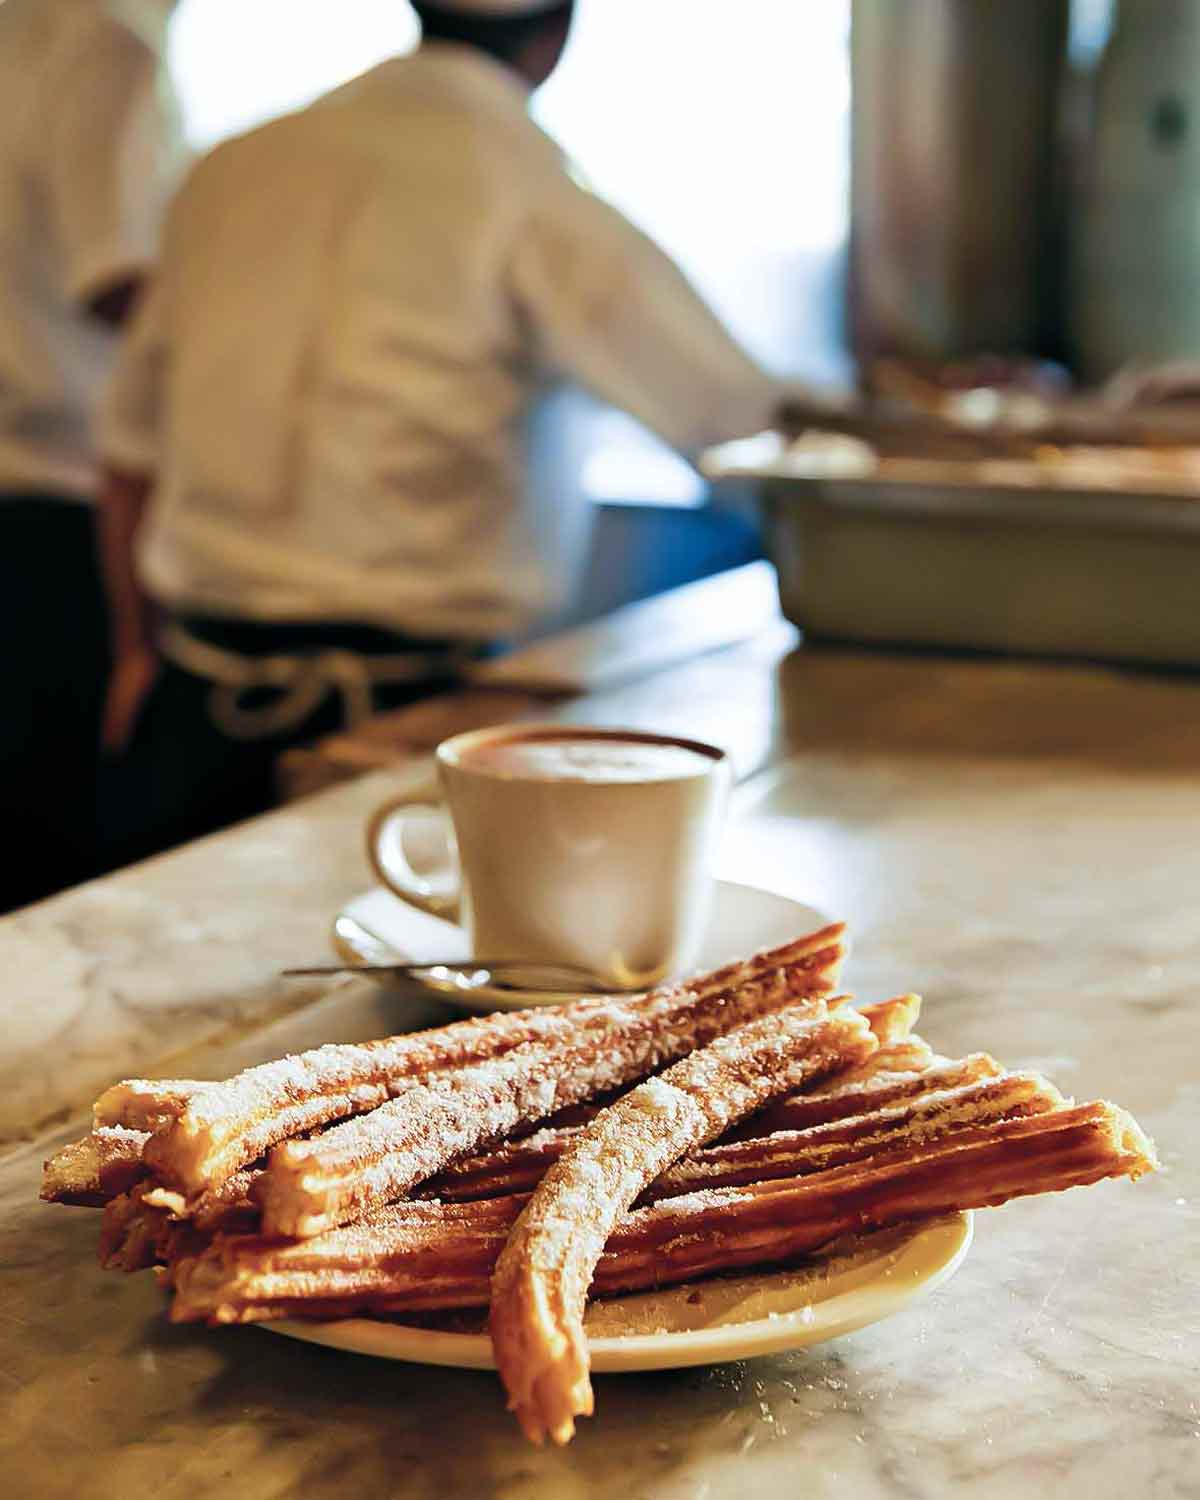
point(354, 307)
point(88, 144)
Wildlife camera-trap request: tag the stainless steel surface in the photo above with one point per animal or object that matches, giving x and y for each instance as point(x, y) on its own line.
point(474, 974)
point(953, 128)
point(1075, 573)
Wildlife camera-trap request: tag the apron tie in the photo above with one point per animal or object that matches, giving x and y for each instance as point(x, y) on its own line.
point(303, 680)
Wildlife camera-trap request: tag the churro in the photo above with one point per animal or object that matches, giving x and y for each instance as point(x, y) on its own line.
point(132, 1232)
point(353, 1168)
point(909, 1124)
point(130, 1244)
point(892, 1020)
point(867, 1088)
point(145, 1103)
point(521, 1164)
point(519, 1167)
point(416, 1257)
point(89, 1172)
point(226, 1125)
point(542, 1277)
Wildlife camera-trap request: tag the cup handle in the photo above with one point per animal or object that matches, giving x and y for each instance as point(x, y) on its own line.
point(390, 861)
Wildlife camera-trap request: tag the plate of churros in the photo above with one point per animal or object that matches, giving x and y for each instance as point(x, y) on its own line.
point(747, 1149)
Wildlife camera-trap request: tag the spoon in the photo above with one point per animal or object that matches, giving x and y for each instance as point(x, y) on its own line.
point(465, 974)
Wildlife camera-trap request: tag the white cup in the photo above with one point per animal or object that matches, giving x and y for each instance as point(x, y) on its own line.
point(591, 847)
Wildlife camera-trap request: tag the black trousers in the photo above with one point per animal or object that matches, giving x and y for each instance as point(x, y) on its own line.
point(182, 777)
point(53, 660)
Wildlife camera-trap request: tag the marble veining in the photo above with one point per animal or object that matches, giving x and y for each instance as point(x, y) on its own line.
point(120, 975)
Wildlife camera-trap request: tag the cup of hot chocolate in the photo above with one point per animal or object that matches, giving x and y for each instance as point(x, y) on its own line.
point(590, 847)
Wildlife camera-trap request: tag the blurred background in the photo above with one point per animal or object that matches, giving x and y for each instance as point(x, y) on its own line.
point(960, 240)
point(722, 130)
point(1024, 182)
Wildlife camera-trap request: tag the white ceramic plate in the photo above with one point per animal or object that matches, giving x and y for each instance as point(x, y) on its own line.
point(379, 928)
point(707, 1322)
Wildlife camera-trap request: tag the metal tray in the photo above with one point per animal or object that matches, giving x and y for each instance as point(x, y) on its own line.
point(1060, 571)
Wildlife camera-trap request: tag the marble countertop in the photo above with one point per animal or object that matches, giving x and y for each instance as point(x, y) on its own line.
point(1020, 843)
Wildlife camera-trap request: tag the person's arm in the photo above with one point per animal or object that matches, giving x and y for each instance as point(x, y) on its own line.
point(111, 152)
point(121, 509)
point(606, 307)
point(129, 439)
point(122, 502)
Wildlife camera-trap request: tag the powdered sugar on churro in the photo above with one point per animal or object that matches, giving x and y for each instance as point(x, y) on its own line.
point(869, 1088)
point(229, 1124)
point(793, 1153)
point(310, 1186)
point(543, 1274)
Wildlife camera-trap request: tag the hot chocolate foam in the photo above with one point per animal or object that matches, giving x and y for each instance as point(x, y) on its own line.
point(580, 758)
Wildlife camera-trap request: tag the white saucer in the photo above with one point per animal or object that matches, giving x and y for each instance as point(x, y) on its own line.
point(379, 928)
point(712, 1321)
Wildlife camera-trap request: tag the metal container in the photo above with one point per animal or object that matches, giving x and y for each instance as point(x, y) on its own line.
point(952, 142)
point(1068, 572)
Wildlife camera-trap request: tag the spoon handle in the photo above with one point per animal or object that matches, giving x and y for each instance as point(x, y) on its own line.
point(565, 976)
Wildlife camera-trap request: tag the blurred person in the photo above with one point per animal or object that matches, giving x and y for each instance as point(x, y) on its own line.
point(87, 140)
point(317, 502)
